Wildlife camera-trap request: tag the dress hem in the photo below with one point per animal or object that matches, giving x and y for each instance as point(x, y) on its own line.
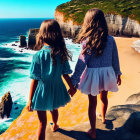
point(36, 109)
point(95, 94)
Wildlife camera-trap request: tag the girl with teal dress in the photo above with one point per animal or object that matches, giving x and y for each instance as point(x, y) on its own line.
point(47, 91)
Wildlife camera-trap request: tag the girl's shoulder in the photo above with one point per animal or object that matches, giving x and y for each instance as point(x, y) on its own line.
point(45, 50)
point(110, 37)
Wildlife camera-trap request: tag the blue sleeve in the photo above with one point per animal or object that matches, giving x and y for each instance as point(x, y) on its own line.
point(66, 68)
point(35, 69)
point(79, 68)
point(115, 59)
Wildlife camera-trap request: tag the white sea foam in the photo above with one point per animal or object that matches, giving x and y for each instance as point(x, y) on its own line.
point(25, 59)
point(4, 119)
point(136, 45)
point(15, 47)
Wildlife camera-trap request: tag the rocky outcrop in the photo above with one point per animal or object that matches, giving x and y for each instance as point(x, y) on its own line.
point(23, 42)
point(6, 105)
point(136, 45)
point(32, 38)
point(69, 28)
point(117, 25)
point(133, 99)
point(122, 26)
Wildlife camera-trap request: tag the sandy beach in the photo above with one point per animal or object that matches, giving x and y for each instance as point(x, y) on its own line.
point(130, 67)
point(75, 112)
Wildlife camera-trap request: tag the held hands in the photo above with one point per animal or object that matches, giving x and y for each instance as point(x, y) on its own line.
point(119, 80)
point(28, 106)
point(72, 91)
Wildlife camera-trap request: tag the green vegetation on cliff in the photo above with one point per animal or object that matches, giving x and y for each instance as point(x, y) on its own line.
point(76, 9)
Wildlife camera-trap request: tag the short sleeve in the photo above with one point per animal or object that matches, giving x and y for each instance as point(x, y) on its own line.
point(35, 69)
point(66, 68)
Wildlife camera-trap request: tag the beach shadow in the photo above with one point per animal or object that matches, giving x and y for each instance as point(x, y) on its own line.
point(129, 131)
point(78, 135)
point(109, 124)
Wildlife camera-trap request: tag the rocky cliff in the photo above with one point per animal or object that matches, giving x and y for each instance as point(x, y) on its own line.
point(68, 27)
point(117, 25)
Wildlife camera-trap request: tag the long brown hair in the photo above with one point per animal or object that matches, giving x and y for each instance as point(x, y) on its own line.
point(50, 33)
point(94, 30)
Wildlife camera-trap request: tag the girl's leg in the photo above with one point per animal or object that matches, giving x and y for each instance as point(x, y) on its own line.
point(104, 104)
point(92, 115)
point(55, 119)
point(42, 125)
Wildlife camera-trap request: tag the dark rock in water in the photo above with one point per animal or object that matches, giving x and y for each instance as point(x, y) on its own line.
point(16, 108)
point(6, 105)
point(133, 99)
point(23, 41)
point(32, 38)
point(14, 45)
point(20, 50)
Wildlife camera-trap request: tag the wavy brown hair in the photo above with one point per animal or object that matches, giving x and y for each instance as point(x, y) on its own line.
point(51, 34)
point(94, 30)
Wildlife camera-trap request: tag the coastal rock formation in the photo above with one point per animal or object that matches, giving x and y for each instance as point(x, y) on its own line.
point(6, 105)
point(136, 46)
point(133, 99)
point(123, 26)
point(69, 28)
point(117, 25)
point(23, 42)
point(32, 38)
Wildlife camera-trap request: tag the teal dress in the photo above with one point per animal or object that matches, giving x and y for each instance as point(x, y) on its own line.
point(50, 92)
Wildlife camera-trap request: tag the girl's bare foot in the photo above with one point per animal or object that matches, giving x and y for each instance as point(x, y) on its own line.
point(54, 127)
point(103, 121)
point(99, 116)
point(92, 133)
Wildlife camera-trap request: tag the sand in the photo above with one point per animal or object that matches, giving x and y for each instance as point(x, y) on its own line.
point(130, 67)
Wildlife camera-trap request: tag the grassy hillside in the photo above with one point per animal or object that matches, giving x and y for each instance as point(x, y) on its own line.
point(76, 9)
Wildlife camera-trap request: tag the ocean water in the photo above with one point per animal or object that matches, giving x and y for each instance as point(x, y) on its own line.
point(15, 65)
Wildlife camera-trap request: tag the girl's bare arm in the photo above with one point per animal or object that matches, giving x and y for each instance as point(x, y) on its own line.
point(68, 80)
point(32, 88)
point(31, 93)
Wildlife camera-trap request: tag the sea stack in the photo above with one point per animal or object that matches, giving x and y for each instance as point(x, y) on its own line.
point(32, 38)
point(23, 41)
point(6, 105)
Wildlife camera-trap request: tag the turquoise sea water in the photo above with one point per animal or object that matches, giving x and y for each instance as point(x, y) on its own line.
point(15, 65)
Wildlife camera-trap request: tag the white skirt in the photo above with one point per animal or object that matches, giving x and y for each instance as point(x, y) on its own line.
point(95, 80)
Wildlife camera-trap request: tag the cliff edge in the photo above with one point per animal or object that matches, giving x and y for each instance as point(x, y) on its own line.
point(123, 17)
point(123, 122)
